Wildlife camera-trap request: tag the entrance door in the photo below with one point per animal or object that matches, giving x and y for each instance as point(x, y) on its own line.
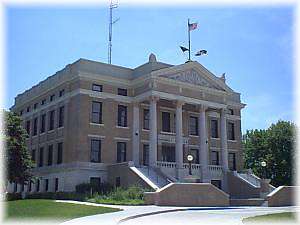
point(231, 161)
point(146, 155)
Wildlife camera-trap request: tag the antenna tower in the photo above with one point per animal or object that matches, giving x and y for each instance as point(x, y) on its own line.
point(111, 22)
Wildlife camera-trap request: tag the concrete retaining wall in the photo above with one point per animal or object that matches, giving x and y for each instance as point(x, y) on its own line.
point(188, 194)
point(283, 196)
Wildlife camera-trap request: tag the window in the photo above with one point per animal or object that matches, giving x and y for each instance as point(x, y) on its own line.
point(35, 105)
point(52, 97)
point(61, 116)
point(46, 185)
point(232, 161)
point(33, 155)
point(38, 185)
point(41, 158)
point(15, 187)
point(28, 127)
point(61, 92)
point(122, 91)
point(43, 102)
point(231, 112)
point(146, 119)
point(168, 153)
point(43, 123)
point(35, 126)
point(215, 158)
point(230, 130)
point(195, 154)
point(95, 181)
point(28, 109)
point(122, 116)
point(56, 185)
point(97, 112)
point(166, 123)
point(95, 151)
point(51, 119)
point(97, 87)
point(22, 187)
point(118, 181)
point(193, 125)
point(59, 153)
point(21, 112)
point(121, 152)
point(30, 186)
point(50, 155)
point(146, 155)
point(214, 128)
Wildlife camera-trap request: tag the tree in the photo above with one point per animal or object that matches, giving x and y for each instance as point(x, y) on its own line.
point(275, 146)
point(18, 160)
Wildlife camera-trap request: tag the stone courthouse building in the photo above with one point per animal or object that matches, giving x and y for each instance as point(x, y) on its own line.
point(96, 122)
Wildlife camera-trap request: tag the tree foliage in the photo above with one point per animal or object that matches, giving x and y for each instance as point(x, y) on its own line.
point(275, 146)
point(18, 160)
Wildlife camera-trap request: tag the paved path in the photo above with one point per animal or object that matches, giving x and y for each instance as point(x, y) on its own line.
point(156, 215)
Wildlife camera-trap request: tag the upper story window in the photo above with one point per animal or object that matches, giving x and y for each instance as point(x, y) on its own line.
point(214, 128)
point(28, 127)
point(35, 105)
point(21, 112)
point(51, 119)
point(231, 111)
point(122, 91)
point(28, 109)
point(166, 122)
point(215, 158)
point(52, 97)
point(61, 116)
point(230, 130)
point(35, 126)
point(43, 123)
point(59, 153)
point(146, 119)
point(97, 112)
point(61, 92)
point(41, 158)
point(95, 151)
point(43, 102)
point(193, 125)
point(122, 116)
point(50, 155)
point(121, 152)
point(97, 87)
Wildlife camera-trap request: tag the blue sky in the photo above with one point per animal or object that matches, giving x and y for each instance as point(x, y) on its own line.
point(253, 45)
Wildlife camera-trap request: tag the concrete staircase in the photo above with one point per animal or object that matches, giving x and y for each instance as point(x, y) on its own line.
point(154, 178)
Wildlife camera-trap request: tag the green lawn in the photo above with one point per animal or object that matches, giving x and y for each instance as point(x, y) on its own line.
point(36, 209)
point(276, 217)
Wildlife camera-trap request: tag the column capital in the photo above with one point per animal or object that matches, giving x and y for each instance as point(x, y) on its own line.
point(202, 108)
point(179, 103)
point(136, 103)
point(153, 98)
point(223, 110)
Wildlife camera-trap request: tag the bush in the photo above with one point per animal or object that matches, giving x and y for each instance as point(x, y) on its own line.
point(85, 188)
point(58, 196)
point(13, 196)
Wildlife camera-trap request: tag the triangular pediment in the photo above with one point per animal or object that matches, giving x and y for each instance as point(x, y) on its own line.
point(193, 77)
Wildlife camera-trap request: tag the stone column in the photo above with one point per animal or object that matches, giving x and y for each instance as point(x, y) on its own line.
point(203, 142)
point(224, 150)
point(136, 134)
point(179, 138)
point(153, 131)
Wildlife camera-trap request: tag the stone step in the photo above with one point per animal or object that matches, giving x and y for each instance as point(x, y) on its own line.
point(247, 202)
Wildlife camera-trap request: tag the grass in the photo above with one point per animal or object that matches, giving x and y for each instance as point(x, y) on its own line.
point(37, 209)
point(275, 217)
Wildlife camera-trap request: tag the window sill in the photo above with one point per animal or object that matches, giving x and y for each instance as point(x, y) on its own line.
point(232, 141)
point(165, 132)
point(42, 133)
point(212, 138)
point(122, 127)
point(97, 124)
point(50, 131)
point(59, 128)
point(146, 130)
point(192, 135)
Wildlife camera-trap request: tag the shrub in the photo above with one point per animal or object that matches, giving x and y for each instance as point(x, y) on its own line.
point(58, 196)
point(13, 196)
point(85, 188)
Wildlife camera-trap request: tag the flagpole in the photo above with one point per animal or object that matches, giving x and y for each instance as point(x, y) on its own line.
point(189, 35)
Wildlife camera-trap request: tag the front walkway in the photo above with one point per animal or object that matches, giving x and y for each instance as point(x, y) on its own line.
point(156, 215)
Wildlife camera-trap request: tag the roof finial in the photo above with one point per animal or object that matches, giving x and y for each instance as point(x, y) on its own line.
point(152, 58)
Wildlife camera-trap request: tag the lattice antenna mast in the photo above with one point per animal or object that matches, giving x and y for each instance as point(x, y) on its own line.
point(111, 22)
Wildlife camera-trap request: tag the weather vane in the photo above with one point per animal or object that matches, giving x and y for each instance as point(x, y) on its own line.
point(192, 26)
point(111, 22)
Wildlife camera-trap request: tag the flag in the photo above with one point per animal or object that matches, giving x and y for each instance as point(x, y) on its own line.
point(184, 48)
point(192, 26)
point(201, 52)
